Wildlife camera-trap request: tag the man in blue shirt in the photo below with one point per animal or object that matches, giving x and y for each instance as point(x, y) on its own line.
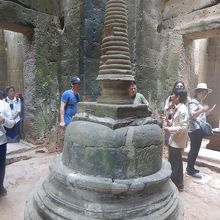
point(69, 102)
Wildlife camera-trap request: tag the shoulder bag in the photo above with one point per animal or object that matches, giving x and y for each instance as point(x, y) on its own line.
point(206, 128)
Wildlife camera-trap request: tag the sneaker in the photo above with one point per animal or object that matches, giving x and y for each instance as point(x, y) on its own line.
point(196, 171)
point(195, 175)
point(180, 188)
point(3, 191)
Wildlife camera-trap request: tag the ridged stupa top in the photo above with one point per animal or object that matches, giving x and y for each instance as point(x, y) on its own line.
point(115, 63)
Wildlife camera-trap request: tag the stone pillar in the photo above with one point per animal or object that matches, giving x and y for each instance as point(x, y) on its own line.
point(115, 65)
point(111, 166)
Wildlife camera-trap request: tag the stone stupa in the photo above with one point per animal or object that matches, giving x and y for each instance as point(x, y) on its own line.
point(111, 166)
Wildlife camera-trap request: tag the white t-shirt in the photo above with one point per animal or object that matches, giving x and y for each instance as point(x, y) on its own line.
point(140, 99)
point(15, 106)
point(9, 122)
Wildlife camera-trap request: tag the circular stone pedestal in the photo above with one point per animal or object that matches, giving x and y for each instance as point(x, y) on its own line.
point(107, 173)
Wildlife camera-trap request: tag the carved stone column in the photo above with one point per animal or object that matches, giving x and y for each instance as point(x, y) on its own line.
point(115, 65)
point(111, 166)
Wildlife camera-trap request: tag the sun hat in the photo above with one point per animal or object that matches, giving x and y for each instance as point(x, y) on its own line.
point(203, 86)
point(75, 80)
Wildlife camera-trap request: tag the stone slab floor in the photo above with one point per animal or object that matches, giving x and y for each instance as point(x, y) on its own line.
point(201, 199)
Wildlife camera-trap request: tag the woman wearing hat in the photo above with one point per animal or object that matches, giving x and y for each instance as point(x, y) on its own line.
point(198, 112)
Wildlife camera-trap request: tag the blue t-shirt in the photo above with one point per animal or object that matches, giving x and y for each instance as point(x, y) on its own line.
point(71, 101)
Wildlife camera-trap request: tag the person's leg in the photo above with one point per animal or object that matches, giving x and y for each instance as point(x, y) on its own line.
point(3, 149)
point(175, 159)
point(17, 132)
point(10, 134)
point(195, 144)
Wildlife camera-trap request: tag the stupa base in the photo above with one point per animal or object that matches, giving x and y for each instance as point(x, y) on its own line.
point(68, 195)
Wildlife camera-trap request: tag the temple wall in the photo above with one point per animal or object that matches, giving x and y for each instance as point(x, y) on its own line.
point(183, 23)
point(38, 22)
point(3, 61)
point(213, 78)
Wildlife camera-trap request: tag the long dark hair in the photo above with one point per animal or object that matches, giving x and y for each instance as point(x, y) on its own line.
point(177, 82)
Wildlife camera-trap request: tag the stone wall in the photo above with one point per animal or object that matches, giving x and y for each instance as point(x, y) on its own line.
point(183, 22)
point(3, 61)
point(37, 20)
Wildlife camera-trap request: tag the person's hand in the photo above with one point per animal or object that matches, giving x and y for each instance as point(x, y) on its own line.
point(205, 108)
point(211, 109)
point(166, 128)
point(62, 124)
point(2, 119)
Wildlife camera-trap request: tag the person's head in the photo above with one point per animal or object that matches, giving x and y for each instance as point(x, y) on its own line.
point(201, 91)
point(132, 89)
point(179, 96)
point(75, 83)
point(2, 94)
point(10, 91)
point(178, 84)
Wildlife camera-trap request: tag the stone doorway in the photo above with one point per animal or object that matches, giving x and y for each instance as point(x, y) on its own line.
point(207, 65)
point(203, 53)
point(13, 46)
point(11, 58)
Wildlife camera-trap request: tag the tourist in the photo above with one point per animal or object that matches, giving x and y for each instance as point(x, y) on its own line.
point(178, 136)
point(69, 102)
point(198, 112)
point(5, 121)
point(169, 108)
point(137, 98)
point(13, 134)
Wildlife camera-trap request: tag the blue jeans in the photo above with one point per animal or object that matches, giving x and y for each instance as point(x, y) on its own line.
point(195, 144)
point(3, 149)
point(13, 134)
point(175, 159)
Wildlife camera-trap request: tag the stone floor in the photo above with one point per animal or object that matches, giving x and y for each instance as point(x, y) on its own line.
point(201, 198)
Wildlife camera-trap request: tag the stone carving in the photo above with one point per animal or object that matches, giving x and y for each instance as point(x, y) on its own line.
point(115, 65)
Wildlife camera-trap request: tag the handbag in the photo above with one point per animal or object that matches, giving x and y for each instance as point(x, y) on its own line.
point(206, 128)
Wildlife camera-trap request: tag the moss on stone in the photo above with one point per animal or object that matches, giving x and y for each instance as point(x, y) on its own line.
point(43, 80)
point(41, 124)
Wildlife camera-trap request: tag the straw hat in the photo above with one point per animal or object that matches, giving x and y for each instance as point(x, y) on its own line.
point(203, 86)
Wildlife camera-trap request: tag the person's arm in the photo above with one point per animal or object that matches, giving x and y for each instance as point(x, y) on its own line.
point(168, 104)
point(18, 109)
point(182, 124)
point(210, 110)
point(62, 109)
point(144, 100)
point(6, 117)
point(196, 113)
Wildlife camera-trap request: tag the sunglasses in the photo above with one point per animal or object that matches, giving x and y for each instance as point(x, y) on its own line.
point(179, 86)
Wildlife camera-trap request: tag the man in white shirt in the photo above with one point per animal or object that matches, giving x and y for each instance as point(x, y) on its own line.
point(13, 134)
point(137, 98)
point(5, 121)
